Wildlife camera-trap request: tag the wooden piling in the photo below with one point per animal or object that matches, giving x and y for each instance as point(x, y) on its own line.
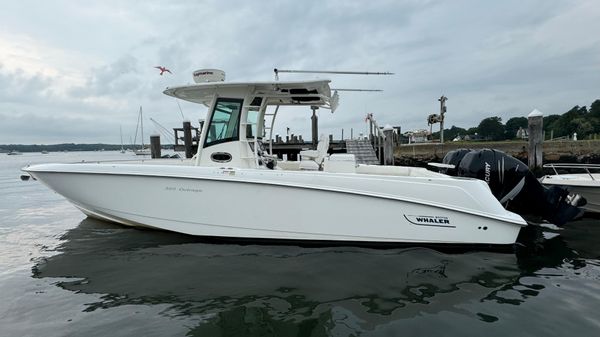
point(315, 127)
point(155, 146)
point(388, 145)
point(535, 129)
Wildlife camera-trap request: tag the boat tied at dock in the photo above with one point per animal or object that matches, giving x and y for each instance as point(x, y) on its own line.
point(235, 187)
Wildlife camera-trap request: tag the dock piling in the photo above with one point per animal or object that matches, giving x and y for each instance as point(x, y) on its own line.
point(535, 129)
point(388, 145)
point(187, 138)
point(155, 146)
point(315, 127)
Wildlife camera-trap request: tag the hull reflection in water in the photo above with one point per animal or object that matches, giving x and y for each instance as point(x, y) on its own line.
point(278, 290)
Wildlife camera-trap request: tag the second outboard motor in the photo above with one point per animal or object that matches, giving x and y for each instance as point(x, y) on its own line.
point(514, 185)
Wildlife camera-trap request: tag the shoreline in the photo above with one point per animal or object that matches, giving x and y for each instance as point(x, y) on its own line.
point(580, 151)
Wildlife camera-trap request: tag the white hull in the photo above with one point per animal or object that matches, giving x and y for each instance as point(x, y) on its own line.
point(144, 152)
point(273, 204)
point(581, 184)
point(591, 194)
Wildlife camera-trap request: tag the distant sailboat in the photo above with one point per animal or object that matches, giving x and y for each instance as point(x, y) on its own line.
point(121, 132)
point(142, 151)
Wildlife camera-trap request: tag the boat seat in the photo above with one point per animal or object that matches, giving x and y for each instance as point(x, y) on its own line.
point(313, 159)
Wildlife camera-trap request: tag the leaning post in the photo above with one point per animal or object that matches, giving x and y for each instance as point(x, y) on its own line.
point(535, 128)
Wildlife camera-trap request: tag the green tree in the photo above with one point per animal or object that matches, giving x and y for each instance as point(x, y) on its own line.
point(549, 122)
point(583, 126)
point(595, 109)
point(564, 126)
point(450, 134)
point(594, 114)
point(513, 125)
point(455, 131)
point(492, 128)
point(472, 131)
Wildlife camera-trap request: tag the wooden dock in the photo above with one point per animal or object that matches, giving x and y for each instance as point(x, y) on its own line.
point(366, 151)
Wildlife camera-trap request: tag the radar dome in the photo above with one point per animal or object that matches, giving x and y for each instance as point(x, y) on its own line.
point(209, 75)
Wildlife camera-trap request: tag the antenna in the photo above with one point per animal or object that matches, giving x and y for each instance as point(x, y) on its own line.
point(277, 71)
point(181, 111)
point(370, 90)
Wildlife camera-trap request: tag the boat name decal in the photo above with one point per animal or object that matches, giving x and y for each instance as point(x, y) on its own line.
point(229, 172)
point(183, 189)
point(429, 220)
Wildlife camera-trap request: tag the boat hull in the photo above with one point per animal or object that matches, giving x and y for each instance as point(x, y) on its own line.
point(581, 184)
point(591, 195)
point(270, 205)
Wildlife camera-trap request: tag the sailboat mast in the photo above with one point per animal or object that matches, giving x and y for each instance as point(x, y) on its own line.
point(121, 133)
point(142, 125)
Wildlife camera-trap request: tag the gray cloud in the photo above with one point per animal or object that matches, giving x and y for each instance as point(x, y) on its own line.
point(118, 78)
point(18, 87)
point(490, 58)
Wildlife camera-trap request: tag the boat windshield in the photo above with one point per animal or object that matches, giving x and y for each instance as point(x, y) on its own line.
point(225, 121)
point(251, 124)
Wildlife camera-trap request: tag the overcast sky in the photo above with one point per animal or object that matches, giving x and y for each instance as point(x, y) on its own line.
point(75, 71)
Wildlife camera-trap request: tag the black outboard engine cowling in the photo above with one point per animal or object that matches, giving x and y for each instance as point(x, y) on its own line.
point(454, 158)
point(514, 185)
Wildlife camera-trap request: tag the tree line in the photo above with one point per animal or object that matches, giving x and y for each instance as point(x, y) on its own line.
point(581, 120)
point(69, 147)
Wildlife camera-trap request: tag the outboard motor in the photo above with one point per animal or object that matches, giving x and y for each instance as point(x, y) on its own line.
point(514, 185)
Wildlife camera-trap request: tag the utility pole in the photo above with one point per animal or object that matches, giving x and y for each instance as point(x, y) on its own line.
point(442, 101)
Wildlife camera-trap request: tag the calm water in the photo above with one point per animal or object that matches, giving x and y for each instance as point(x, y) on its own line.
point(64, 275)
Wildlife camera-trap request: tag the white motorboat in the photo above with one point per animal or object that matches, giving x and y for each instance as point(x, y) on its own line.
point(142, 151)
point(236, 188)
point(585, 183)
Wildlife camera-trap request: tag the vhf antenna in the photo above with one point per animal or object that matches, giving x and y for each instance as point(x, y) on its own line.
point(277, 71)
point(377, 90)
